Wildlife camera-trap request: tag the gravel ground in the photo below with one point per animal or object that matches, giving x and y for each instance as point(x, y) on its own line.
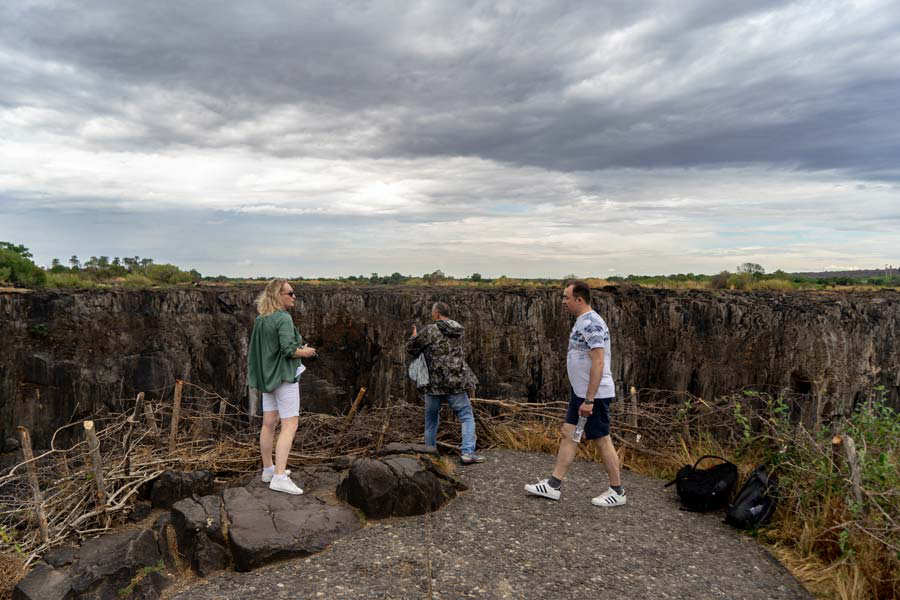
point(495, 542)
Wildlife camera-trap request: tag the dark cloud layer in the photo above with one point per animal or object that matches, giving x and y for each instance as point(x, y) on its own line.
point(571, 86)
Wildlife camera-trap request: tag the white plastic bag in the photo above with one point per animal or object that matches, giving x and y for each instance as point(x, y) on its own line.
point(418, 371)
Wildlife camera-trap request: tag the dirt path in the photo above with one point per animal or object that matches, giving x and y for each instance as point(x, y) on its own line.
point(494, 542)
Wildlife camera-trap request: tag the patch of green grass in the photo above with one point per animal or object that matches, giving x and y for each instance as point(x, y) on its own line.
point(126, 591)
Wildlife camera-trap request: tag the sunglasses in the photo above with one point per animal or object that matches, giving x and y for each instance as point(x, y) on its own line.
point(291, 294)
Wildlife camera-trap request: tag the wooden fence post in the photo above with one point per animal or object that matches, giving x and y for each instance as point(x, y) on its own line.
point(253, 409)
point(131, 420)
point(853, 461)
point(176, 414)
point(62, 463)
point(138, 407)
point(28, 454)
point(90, 435)
point(151, 420)
point(349, 418)
point(633, 419)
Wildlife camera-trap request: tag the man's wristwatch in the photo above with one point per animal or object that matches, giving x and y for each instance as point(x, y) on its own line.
point(588, 402)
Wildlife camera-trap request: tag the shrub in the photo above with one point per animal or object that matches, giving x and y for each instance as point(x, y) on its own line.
point(775, 285)
point(136, 280)
point(166, 273)
point(71, 279)
point(720, 281)
point(18, 269)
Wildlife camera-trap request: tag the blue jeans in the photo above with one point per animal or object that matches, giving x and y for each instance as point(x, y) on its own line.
point(463, 409)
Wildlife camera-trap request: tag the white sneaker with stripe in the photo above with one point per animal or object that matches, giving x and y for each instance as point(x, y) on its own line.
point(268, 473)
point(609, 498)
point(542, 488)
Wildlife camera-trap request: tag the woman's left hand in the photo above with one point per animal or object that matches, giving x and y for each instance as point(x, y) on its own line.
point(306, 352)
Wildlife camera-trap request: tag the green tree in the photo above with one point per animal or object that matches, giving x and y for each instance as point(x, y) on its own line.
point(475, 277)
point(17, 267)
point(17, 249)
point(751, 269)
point(74, 262)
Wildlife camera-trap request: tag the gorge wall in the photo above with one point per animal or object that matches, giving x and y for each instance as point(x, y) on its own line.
point(68, 355)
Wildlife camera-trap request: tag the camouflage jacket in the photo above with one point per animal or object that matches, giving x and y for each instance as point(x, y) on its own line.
point(442, 344)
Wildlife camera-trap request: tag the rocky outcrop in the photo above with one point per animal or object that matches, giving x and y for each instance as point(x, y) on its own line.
point(243, 527)
point(398, 486)
point(67, 355)
point(126, 564)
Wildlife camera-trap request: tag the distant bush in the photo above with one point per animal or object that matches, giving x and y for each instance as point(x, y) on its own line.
point(136, 280)
point(720, 281)
point(67, 279)
point(775, 285)
point(166, 274)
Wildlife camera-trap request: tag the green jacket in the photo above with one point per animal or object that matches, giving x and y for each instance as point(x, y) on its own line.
point(273, 341)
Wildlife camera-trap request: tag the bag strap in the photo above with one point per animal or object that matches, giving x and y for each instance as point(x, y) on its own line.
point(725, 460)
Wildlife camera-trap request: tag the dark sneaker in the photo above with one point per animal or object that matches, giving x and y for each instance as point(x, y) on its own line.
point(471, 459)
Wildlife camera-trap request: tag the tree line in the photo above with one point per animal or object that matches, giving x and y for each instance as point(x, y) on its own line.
point(17, 267)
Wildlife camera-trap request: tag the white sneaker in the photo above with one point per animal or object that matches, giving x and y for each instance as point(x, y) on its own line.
point(542, 488)
point(609, 498)
point(284, 484)
point(267, 474)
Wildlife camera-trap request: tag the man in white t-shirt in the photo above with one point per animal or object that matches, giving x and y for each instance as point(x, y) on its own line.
point(588, 364)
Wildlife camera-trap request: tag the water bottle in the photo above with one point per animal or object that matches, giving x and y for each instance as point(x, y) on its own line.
point(579, 430)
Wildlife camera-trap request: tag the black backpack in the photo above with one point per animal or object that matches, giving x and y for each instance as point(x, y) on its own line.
point(755, 503)
point(702, 490)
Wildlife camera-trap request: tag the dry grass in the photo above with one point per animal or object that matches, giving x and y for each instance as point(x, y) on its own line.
point(838, 550)
point(12, 569)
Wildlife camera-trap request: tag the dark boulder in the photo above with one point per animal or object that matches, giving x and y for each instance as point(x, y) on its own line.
point(265, 525)
point(398, 486)
point(140, 511)
point(172, 486)
point(61, 556)
point(44, 582)
point(121, 561)
point(201, 536)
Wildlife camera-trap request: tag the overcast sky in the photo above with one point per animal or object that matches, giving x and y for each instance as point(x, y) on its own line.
point(520, 138)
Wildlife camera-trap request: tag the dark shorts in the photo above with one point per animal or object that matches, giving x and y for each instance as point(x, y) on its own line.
point(597, 424)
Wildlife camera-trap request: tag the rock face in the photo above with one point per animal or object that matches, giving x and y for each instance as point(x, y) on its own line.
point(68, 354)
point(397, 486)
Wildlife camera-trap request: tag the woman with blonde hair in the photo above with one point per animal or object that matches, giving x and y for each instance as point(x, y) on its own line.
point(276, 348)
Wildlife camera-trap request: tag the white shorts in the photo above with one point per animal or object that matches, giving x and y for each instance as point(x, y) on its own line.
point(285, 399)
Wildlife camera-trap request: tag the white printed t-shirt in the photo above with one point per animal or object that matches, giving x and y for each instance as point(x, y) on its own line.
point(589, 332)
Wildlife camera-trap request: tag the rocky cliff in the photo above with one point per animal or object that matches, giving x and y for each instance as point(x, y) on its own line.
point(65, 355)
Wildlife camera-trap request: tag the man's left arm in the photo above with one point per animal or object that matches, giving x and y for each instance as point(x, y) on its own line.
point(594, 382)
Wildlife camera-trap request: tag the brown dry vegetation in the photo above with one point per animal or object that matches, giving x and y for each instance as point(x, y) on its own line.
point(839, 548)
